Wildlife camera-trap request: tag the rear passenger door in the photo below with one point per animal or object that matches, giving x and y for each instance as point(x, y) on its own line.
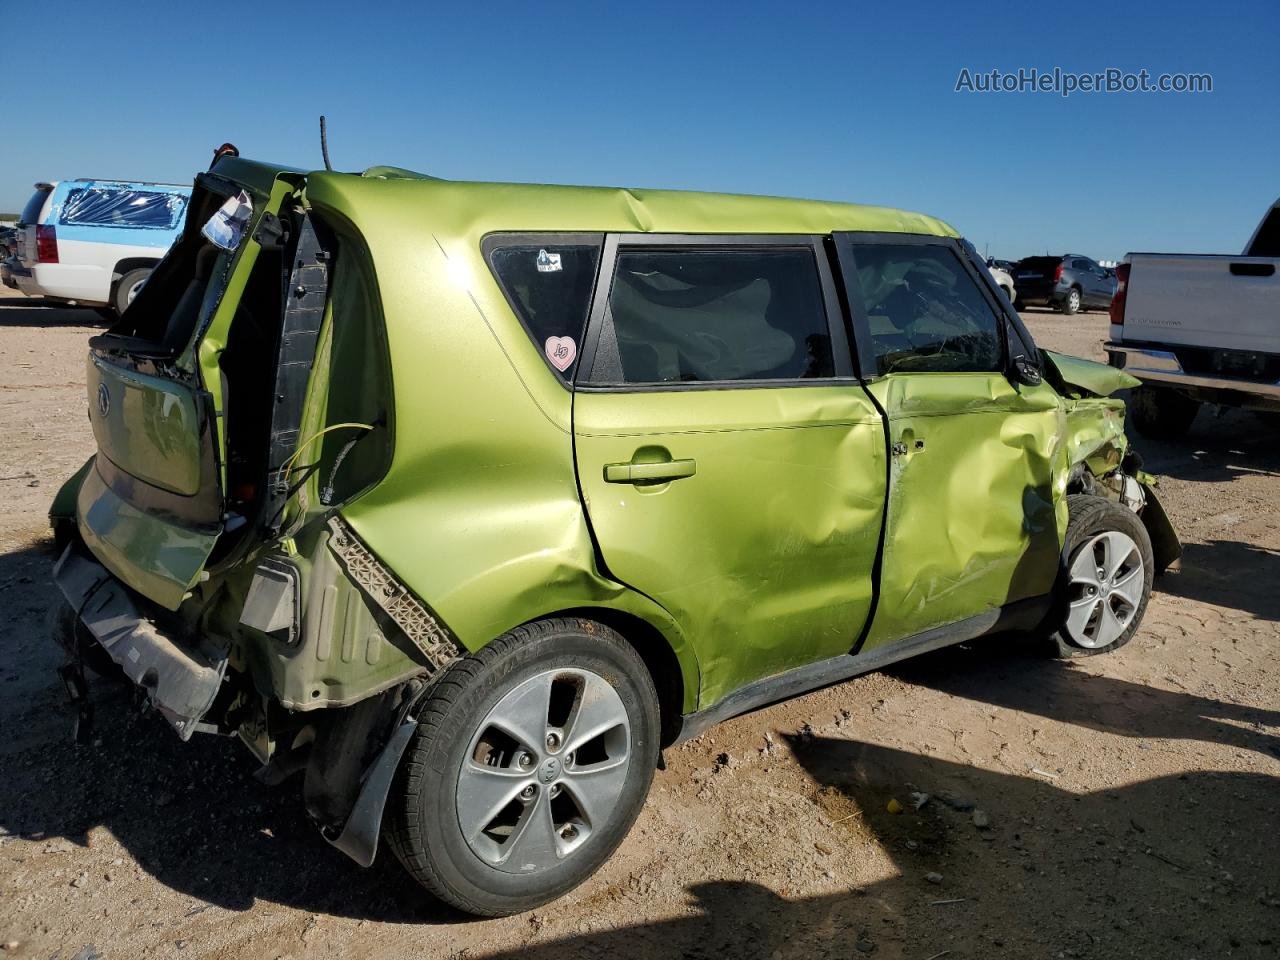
point(732, 466)
point(1089, 276)
point(971, 525)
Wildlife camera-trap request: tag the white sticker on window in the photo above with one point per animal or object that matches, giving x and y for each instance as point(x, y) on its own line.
point(561, 351)
point(549, 263)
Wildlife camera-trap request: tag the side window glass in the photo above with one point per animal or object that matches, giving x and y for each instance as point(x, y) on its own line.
point(701, 315)
point(926, 314)
point(138, 209)
point(548, 282)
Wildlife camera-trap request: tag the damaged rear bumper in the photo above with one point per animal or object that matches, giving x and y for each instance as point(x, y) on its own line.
point(181, 680)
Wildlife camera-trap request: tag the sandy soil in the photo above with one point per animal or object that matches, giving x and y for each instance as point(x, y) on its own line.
point(1123, 806)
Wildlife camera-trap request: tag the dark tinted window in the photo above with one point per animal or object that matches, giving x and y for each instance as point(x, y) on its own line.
point(925, 311)
point(698, 315)
point(31, 212)
point(113, 207)
point(1081, 264)
point(1266, 242)
point(548, 283)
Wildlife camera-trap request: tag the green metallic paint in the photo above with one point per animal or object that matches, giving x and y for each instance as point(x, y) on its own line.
point(159, 558)
point(150, 428)
point(764, 555)
point(971, 522)
point(479, 512)
point(760, 560)
point(1075, 376)
point(63, 507)
point(204, 353)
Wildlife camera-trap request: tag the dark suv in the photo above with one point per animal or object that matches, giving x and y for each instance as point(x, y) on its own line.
point(1070, 283)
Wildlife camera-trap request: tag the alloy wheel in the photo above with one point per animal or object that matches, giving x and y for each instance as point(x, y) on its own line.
point(544, 770)
point(1106, 587)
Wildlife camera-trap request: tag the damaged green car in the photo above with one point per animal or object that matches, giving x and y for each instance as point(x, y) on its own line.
point(462, 501)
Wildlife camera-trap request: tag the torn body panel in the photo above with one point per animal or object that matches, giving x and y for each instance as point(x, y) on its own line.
point(970, 522)
point(181, 680)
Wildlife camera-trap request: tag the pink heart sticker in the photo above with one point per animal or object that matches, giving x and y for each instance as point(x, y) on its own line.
point(561, 351)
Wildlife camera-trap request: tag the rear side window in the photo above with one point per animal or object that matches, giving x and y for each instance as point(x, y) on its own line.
point(696, 315)
point(926, 313)
point(139, 209)
point(548, 280)
point(31, 212)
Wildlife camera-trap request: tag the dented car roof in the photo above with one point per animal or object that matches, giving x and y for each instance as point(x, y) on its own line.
point(482, 207)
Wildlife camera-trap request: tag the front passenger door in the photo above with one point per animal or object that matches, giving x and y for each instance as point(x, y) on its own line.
point(971, 525)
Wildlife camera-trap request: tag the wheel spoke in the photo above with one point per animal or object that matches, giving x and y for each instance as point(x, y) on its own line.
point(482, 793)
point(522, 714)
point(533, 843)
point(1117, 550)
point(1084, 569)
point(1109, 626)
point(599, 709)
point(596, 788)
point(1078, 616)
point(1129, 587)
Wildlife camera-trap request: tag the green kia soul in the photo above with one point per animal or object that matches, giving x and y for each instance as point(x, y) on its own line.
point(464, 500)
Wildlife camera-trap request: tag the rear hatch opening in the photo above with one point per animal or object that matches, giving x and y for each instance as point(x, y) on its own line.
point(180, 396)
point(226, 409)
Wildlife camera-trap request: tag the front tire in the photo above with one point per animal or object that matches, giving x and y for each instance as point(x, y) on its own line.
point(1105, 579)
point(1162, 414)
point(531, 761)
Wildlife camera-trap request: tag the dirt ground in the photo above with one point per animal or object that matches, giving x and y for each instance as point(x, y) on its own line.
point(1121, 806)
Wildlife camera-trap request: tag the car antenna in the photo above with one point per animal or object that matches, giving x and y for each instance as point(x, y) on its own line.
point(324, 145)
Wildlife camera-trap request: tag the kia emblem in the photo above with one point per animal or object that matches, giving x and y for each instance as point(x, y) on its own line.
point(104, 399)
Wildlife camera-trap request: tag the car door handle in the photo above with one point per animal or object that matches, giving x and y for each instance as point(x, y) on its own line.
point(648, 472)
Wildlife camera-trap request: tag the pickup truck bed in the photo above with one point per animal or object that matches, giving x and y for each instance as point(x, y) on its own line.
point(1197, 328)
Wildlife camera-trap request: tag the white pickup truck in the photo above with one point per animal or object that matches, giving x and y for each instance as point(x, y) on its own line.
point(1199, 328)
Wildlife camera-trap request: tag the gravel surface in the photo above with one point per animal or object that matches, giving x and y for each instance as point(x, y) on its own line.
point(1121, 806)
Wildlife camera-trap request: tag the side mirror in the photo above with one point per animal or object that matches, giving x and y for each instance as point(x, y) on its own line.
point(1025, 371)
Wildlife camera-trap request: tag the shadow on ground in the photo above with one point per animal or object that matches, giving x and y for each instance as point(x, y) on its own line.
point(1218, 448)
point(1230, 574)
point(1180, 865)
point(1165, 867)
point(999, 671)
point(191, 814)
point(25, 312)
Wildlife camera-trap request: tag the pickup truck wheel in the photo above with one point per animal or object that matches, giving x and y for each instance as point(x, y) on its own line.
point(128, 288)
point(1071, 304)
point(531, 760)
point(1162, 414)
point(1105, 579)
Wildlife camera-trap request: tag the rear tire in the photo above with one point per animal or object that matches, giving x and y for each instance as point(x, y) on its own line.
point(128, 288)
point(1072, 304)
point(505, 798)
point(1104, 582)
point(1162, 414)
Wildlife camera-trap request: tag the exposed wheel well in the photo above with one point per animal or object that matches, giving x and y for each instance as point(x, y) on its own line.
point(130, 263)
point(656, 652)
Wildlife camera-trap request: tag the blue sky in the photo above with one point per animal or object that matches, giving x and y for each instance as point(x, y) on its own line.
point(831, 100)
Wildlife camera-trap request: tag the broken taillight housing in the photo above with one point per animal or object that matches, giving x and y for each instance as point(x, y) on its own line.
point(46, 244)
point(1122, 288)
